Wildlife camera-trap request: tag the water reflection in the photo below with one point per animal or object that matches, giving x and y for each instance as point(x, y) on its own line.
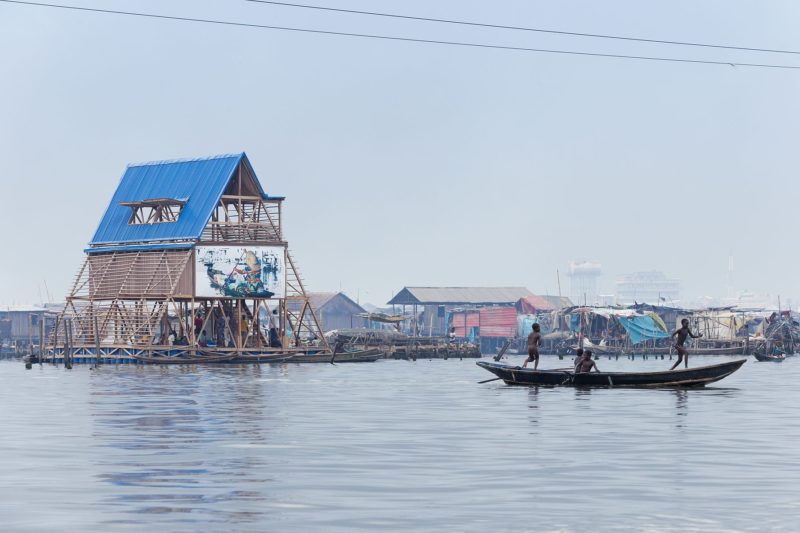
point(533, 405)
point(159, 433)
point(533, 396)
point(719, 391)
point(681, 401)
point(583, 394)
point(681, 406)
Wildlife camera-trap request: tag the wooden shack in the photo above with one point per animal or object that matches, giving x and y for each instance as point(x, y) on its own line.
point(21, 326)
point(335, 310)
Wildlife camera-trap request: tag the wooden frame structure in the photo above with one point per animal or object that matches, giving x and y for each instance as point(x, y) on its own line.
point(134, 298)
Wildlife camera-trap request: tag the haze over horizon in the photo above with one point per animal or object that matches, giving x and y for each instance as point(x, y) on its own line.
point(408, 164)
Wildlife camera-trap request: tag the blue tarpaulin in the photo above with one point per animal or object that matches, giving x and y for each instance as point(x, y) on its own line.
point(642, 328)
point(525, 325)
point(575, 322)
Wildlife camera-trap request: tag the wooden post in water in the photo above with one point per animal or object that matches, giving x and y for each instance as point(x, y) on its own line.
point(55, 336)
point(30, 335)
point(96, 341)
point(41, 339)
point(68, 343)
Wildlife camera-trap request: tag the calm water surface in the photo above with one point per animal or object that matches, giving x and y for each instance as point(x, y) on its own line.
point(392, 446)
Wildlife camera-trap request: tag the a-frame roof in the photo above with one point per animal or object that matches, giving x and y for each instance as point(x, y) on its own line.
point(198, 182)
point(318, 300)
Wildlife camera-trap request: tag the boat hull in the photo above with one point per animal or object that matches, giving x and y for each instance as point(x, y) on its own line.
point(774, 358)
point(689, 377)
point(361, 356)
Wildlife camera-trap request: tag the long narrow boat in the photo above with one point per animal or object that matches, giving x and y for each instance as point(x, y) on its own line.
point(361, 356)
point(773, 357)
point(687, 377)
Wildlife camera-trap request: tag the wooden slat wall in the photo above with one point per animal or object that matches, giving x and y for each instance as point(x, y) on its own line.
point(135, 275)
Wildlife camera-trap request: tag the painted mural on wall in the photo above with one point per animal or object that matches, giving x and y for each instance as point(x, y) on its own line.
point(240, 272)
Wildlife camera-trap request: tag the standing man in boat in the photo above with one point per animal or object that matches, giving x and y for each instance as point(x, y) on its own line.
point(585, 363)
point(534, 340)
point(683, 333)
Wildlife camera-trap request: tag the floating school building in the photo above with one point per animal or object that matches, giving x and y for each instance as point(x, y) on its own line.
point(189, 260)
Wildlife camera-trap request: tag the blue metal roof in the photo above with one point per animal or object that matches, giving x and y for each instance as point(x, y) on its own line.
point(200, 182)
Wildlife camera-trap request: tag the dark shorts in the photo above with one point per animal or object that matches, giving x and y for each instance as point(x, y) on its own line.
point(532, 354)
point(681, 349)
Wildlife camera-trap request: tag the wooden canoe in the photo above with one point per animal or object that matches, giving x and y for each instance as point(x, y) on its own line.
point(361, 356)
point(686, 377)
point(774, 357)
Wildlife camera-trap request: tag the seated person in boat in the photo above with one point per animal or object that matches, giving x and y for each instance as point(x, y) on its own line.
point(585, 363)
point(578, 355)
point(534, 340)
point(682, 334)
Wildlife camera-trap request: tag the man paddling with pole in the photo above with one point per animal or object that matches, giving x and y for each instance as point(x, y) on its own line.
point(683, 333)
point(534, 340)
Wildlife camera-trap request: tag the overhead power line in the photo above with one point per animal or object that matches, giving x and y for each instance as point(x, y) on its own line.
point(524, 28)
point(402, 39)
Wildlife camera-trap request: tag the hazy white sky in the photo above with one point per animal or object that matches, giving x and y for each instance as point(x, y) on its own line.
point(409, 164)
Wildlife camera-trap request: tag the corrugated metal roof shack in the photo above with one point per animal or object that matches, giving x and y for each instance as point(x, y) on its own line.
point(497, 324)
point(437, 303)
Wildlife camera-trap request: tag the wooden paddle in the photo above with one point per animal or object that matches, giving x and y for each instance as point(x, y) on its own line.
point(502, 351)
point(336, 350)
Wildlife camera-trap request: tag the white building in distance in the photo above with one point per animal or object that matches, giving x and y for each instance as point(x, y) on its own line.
point(583, 276)
point(652, 287)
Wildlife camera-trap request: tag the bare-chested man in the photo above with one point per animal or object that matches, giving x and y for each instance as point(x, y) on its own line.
point(585, 363)
point(578, 355)
point(534, 340)
point(683, 333)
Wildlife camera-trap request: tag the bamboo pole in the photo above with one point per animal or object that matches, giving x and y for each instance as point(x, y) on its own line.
point(41, 339)
point(68, 343)
point(96, 340)
point(30, 333)
point(55, 335)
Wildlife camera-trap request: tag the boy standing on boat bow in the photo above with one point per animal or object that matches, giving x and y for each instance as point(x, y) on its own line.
point(683, 333)
point(534, 340)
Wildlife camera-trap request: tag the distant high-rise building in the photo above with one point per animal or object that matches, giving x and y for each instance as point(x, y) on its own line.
point(652, 287)
point(583, 276)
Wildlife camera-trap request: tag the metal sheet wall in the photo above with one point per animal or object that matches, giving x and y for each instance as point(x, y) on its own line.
point(457, 321)
point(498, 322)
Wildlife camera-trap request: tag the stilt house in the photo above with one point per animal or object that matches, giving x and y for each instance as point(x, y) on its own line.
point(189, 255)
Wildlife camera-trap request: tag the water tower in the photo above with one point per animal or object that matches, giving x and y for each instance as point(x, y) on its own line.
point(583, 277)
